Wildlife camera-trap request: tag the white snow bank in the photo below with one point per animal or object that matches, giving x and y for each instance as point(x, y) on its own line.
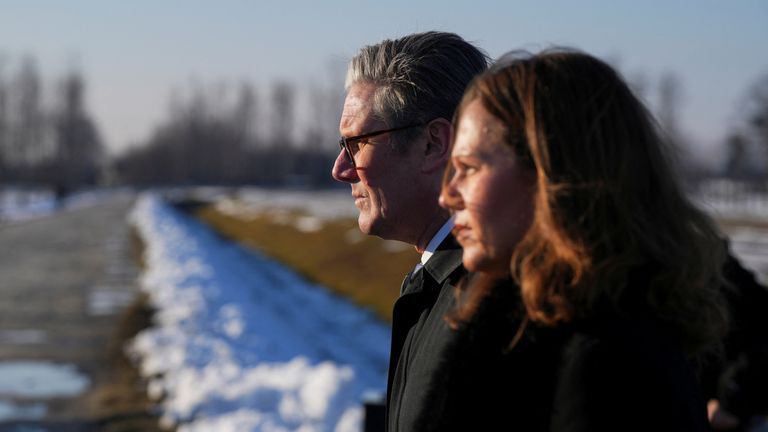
point(242, 343)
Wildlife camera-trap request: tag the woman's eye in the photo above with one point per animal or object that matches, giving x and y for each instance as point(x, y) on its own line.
point(466, 168)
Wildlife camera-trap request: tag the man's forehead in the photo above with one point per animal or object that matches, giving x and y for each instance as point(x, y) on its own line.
point(361, 91)
point(358, 105)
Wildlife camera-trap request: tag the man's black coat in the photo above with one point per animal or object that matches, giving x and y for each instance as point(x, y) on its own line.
point(420, 336)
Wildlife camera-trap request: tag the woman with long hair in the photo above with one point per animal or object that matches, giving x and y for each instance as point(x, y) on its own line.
point(565, 198)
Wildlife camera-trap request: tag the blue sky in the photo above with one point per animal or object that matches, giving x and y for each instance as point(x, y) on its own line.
point(134, 53)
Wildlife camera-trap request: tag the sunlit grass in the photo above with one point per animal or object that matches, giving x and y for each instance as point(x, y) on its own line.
point(333, 253)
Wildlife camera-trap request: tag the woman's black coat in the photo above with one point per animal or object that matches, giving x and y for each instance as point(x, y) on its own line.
point(619, 375)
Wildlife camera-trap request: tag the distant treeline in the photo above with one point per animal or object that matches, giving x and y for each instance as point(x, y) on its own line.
point(227, 135)
point(211, 139)
point(47, 137)
point(54, 143)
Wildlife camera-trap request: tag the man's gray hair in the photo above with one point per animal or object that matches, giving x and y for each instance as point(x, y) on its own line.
point(420, 77)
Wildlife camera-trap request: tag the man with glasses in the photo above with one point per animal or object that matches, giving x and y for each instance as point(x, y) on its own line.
point(396, 134)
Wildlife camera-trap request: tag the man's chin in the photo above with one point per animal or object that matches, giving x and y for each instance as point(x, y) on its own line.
point(367, 225)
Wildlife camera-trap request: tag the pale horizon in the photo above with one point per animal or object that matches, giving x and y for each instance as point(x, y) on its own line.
point(134, 55)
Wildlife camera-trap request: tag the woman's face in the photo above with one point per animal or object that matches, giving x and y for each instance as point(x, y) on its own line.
point(491, 192)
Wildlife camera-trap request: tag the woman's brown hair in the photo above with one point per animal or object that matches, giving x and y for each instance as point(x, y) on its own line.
point(612, 229)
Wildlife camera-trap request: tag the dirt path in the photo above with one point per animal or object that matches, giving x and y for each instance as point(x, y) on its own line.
point(65, 282)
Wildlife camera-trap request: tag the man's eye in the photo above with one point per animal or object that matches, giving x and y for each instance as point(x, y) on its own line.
point(355, 146)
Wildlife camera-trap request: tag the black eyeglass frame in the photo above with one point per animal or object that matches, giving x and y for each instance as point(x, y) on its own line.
point(344, 142)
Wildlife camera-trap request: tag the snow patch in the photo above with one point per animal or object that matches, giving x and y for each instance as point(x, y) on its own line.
point(242, 343)
point(12, 411)
point(38, 379)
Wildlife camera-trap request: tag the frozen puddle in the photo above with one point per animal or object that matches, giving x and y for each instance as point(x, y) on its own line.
point(23, 336)
point(12, 411)
point(105, 301)
point(38, 379)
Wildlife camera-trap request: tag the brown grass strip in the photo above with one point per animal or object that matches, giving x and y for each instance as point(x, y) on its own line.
point(365, 269)
point(119, 398)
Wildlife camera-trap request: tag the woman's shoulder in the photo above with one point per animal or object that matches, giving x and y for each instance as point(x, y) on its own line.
point(626, 352)
point(626, 375)
point(620, 336)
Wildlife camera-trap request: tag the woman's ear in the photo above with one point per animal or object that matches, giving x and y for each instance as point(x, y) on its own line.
point(438, 147)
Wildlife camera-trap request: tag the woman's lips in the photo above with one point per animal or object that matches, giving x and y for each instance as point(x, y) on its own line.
point(461, 232)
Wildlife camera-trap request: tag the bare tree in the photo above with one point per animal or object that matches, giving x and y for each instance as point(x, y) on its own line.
point(736, 165)
point(283, 94)
point(670, 93)
point(213, 138)
point(639, 83)
point(78, 145)
point(325, 109)
point(4, 138)
point(27, 130)
point(245, 114)
point(670, 90)
point(757, 109)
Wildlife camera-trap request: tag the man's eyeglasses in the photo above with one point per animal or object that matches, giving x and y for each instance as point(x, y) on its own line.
point(351, 145)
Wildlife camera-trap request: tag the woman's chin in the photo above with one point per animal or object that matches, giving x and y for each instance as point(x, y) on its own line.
point(476, 264)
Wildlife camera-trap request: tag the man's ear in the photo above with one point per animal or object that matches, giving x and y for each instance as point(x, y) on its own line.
point(438, 148)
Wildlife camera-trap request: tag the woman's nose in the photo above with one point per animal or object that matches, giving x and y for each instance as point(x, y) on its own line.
point(450, 198)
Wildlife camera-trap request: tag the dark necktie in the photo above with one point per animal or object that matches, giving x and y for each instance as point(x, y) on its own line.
point(409, 277)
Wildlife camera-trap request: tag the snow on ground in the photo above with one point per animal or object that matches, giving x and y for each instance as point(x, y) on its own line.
point(19, 204)
point(248, 202)
point(36, 379)
point(730, 199)
point(750, 245)
point(305, 210)
point(735, 201)
point(315, 206)
point(323, 204)
point(242, 343)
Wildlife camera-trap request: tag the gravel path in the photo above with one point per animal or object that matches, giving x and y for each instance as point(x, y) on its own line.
point(63, 281)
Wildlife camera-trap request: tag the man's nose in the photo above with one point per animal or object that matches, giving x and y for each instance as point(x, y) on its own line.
point(343, 170)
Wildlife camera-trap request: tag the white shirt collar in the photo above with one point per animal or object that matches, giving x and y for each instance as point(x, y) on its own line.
point(441, 234)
